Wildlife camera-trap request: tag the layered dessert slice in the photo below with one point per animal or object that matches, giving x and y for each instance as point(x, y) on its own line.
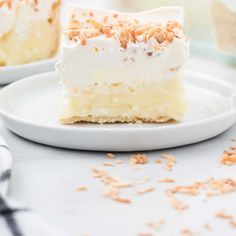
point(224, 20)
point(29, 30)
point(121, 67)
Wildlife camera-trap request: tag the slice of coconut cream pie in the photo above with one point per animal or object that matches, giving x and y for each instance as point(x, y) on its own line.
point(121, 67)
point(29, 30)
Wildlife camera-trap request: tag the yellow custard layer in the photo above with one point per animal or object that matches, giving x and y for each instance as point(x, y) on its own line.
point(40, 42)
point(157, 101)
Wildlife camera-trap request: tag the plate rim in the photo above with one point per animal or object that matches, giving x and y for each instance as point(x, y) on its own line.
point(26, 65)
point(103, 127)
point(11, 74)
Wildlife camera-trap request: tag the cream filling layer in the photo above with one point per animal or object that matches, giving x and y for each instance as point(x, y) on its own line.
point(158, 99)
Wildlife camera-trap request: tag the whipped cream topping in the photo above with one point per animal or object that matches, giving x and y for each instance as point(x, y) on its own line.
point(25, 12)
point(103, 60)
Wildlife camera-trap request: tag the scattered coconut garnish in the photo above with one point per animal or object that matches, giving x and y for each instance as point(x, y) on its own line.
point(178, 205)
point(119, 162)
point(125, 30)
point(187, 232)
point(115, 185)
point(220, 187)
point(98, 173)
point(156, 225)
point(142, 181)
point(105, 177)
point(229, 156)
point(233, 223)
point(122, 200)
point(81, 189)
point(123, 185)
point(188, 190)
point(110, 155)
point(145, 190)
point(138, 159)
point(114, 194)
point(212, 186)
point(171, 160)
point(166, 181)
point(158, 161)
point(221, 214)
point(108, 164)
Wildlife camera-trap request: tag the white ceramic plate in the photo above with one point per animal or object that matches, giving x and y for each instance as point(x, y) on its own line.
point(10, 74)
point(29, 109)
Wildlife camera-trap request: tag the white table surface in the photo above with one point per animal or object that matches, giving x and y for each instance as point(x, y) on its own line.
point(45, 178)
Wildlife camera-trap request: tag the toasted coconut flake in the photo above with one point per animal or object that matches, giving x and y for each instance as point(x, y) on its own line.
point(212, 187)
point(98, 173)
point(119, 162)
point(111, 193)
point(188, 190)
point(123, 185)
point(221, 214)
point(138, 159)
point(94, 23)
point(187, 232)
point(83, 41)
point(156, 225)
point(228, 158)
point(110, 155)
point(170, 37)
point(220, 187)
point(122, 200)
point(108, 164)
point(166, 181)
point(142, 181)
point(158, 161)
point(145, 190)
point(160, 37)
point(91, 34)
point(125, 30)
point(178, 205)
point(114, 184)
point(171, 160)
point(81, 188)
point(114, 194)
point(233, 223)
